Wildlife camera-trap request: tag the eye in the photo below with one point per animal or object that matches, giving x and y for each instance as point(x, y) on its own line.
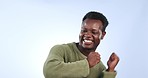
point(95, 32)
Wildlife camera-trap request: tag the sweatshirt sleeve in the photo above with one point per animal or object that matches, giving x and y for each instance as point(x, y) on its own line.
point(106, 74)
point(55, 67)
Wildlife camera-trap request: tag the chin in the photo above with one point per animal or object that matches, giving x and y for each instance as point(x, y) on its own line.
point(88, 47)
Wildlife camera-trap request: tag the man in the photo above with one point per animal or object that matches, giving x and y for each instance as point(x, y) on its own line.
point(80, 60)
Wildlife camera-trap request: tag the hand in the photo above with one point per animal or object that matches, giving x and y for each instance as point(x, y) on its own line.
point(112, 62)
point(93, 59)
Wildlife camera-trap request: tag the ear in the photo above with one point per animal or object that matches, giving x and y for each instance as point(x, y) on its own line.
point(103, 34)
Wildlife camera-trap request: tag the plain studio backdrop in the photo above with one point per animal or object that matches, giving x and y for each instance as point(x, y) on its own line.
point(29, 28)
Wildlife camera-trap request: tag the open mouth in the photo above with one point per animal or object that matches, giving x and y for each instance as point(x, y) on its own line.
point(87, 42)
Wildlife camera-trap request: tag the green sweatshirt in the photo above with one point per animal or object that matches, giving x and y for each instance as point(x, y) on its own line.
point(66, 61)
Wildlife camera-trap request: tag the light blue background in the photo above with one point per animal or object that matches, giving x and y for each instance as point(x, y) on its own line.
point(29, 28)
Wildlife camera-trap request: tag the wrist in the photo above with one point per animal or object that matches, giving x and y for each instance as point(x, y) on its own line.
point(110, 70)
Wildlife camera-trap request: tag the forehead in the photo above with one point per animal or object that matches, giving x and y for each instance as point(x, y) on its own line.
point(93, 24)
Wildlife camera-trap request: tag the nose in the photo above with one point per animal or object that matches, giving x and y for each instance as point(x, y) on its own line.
point(88, 34)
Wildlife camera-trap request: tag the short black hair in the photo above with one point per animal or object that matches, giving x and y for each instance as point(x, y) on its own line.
point(97, 16)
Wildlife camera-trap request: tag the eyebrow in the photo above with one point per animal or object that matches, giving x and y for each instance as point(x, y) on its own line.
point(96, 29)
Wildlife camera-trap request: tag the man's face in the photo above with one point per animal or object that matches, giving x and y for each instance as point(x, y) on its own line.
point(91, 34)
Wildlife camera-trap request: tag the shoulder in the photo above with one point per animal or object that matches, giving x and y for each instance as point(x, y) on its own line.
point(61, 47)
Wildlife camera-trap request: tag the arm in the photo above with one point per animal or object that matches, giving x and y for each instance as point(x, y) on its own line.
point(55, 67)
point(112, 62)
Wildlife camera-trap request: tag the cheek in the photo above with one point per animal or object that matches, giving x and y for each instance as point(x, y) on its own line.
point(80, 36)
point(97, 39)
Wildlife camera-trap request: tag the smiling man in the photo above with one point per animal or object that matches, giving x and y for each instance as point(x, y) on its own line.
point(80, 60)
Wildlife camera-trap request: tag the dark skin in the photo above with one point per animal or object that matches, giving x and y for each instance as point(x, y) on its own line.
point(90, 36)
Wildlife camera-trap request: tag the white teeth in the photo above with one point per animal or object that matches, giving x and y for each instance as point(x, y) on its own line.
point(87, 41)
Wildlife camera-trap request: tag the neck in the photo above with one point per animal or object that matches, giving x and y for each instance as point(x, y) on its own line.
point(84, 50)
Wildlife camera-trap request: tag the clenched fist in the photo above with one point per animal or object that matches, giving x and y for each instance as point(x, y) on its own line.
point(93, 58)
point(112, 62)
